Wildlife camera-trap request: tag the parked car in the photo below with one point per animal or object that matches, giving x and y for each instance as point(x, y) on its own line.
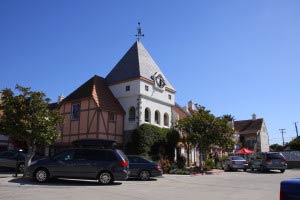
point(105, 165)
point(140, 167)
point(9, 159)
point(289, 189)
point(235, 163)
point(268, 161)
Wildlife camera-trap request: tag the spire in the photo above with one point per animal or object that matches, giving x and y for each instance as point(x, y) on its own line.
point(139, 34)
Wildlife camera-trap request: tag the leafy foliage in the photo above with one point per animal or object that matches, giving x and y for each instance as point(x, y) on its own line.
point(276, 147)
point(26, 117)
point(295, 144)
point(205, 129)
point(154, 141)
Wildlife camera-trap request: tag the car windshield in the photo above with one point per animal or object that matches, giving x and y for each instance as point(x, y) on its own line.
point(237, 158)
point(274, 156)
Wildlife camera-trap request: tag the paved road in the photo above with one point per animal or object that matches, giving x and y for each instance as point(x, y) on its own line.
point(228, 185)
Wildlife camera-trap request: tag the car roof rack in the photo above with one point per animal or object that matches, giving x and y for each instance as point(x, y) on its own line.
point(95, 143)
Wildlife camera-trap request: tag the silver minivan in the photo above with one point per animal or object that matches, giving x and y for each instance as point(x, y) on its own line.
point(268, 161)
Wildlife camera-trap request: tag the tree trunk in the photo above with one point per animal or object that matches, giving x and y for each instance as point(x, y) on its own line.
point(30, 154)
point(188, 155)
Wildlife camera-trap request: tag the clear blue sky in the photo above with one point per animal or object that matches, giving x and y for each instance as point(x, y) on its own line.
point(236, 56)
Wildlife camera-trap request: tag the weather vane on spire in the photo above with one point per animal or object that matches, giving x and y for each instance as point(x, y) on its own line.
point(139, 34)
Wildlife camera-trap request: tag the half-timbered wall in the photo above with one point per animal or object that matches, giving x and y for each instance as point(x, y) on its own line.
point(93, 123)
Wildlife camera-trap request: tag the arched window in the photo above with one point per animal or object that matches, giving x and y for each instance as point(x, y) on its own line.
point(147, 115)
point(157, 117)
point(166, 119)
point(131, 114)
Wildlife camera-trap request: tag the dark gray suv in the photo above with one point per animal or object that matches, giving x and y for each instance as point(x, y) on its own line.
point(105, 165)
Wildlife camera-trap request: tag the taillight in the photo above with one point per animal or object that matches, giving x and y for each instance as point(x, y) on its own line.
point(281, 195)
point(124, 163)
point(283, 159)
point(158, 167)
point(268, 160)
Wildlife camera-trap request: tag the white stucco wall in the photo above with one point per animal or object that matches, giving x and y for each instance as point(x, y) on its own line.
point(138, 97)
point(264, 138)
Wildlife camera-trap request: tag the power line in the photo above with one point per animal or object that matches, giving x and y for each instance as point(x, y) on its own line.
point(282, 130)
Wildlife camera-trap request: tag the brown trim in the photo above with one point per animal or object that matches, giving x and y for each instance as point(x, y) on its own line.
point(170, 90)
point(143, 79)
point(88, 118)
point(105, 127)
point(116, 123)
point(97, 129)
point(84, 110)
point(89, 127)
point(100, 133)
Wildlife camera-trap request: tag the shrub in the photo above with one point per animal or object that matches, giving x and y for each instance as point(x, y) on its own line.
point(165, 165)
point(209, 164)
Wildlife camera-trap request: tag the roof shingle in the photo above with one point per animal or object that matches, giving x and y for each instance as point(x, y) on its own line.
point(97, 89)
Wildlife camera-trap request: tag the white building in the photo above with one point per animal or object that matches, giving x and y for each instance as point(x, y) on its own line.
point(142, 89)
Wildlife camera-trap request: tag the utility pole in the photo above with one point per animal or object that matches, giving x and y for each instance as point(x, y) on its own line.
point(282, 130)
point(296, 128)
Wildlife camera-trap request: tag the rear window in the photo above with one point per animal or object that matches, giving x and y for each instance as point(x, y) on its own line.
point(274, 156)
point(237, 158)
point(122, 155)
point(95, 155)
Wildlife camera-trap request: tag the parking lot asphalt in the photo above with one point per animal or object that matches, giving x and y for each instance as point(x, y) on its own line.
point(226, 185)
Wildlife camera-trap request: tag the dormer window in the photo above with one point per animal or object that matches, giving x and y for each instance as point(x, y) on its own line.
point(147, 88)
point(170, 97)
point(75, 114)
point(127, 88)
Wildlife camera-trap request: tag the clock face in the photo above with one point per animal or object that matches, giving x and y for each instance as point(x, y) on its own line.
point(160, 81)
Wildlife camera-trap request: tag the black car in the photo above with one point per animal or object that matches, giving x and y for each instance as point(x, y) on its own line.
point(12, 159)
point(140, 167)
point(105, 165)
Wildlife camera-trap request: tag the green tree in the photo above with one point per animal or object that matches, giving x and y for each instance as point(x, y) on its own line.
point(150, 140)
point(295, 144)
point(276, 147)
point(206, 130)
point(26, 118)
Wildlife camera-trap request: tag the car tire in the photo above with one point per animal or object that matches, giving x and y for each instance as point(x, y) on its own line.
point(144, 175)
point(282, 170)
point(245, 170)
point(41, 175)
point(21, 167)
point(105, 178)
point(252, 169)
point(262, 168)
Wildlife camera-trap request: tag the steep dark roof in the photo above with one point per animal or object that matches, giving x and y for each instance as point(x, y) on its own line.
point(97, 89)
point(248, 126)
point(136, 63)
point(53, 106)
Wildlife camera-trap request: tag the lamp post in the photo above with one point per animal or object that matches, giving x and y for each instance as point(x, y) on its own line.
point(17, 162)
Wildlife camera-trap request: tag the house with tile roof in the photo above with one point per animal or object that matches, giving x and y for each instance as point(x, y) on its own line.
point(90, 112)
point(135, 92)
point(252, 134)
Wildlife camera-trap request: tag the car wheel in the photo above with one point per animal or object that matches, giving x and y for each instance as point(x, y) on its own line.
point(262, 169)
point(144, 175)
point(41, 175)
point(282, 170)
point(21, 167)
point(252, 169)
point(245, 170)
point(105, 178)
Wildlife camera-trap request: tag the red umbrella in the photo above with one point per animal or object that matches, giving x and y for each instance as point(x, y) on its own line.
point(244, 151)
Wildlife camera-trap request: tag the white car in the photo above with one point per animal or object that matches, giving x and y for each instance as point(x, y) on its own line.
point(235, 163)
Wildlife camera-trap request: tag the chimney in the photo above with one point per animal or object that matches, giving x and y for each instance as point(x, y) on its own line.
point(191, 105)
point(60, 98)
point(253, 116)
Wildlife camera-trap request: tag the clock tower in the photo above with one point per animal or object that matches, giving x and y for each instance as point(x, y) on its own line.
point(142, 89)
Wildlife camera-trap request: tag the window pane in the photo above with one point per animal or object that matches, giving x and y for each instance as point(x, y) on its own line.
point(75, 111)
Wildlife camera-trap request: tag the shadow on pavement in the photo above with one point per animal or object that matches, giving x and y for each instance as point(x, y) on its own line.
point(137, 179)
point(59, 182)
point(266, 172)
